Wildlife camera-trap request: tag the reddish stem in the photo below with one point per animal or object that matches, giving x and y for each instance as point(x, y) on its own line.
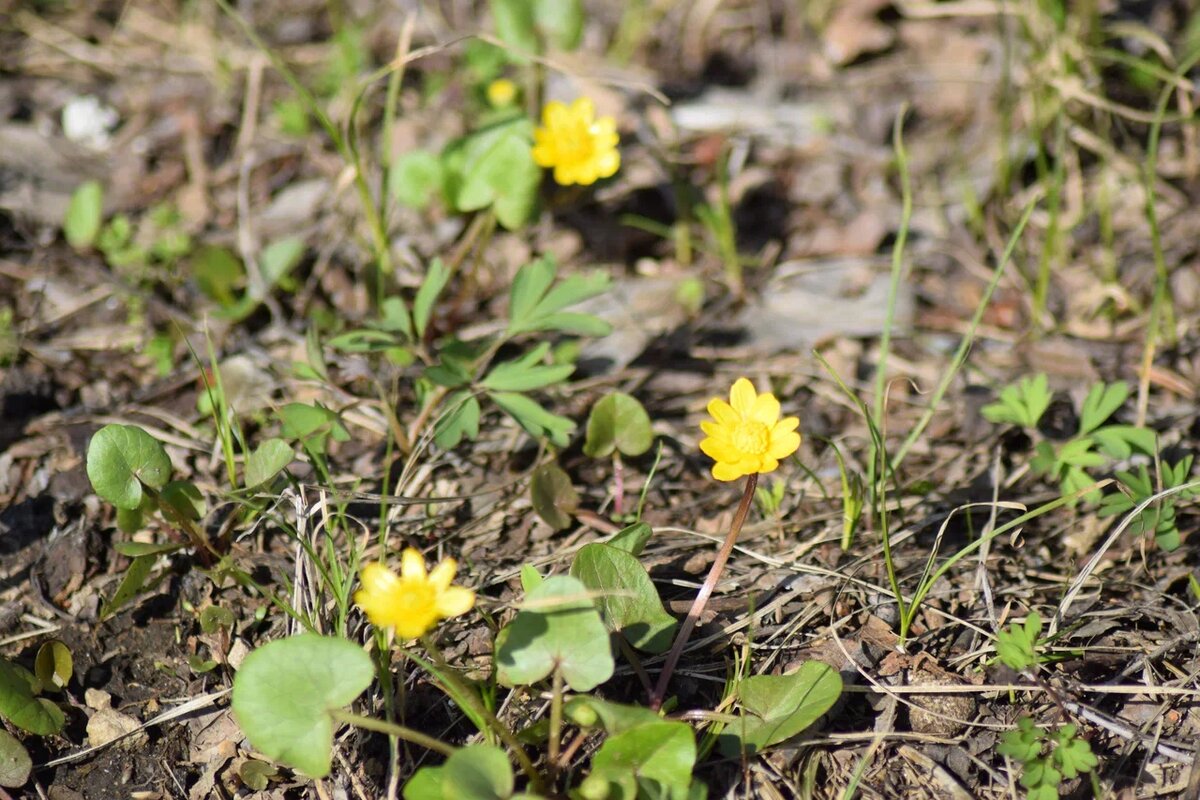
point(710, 583)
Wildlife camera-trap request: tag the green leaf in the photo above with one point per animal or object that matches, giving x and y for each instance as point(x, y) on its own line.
point(19, 706)
point(660, 752)
point(1017, 647)
point(85, 212)
point(535, 306)
point(588, 712)
point(558, 625)
point(477, 772)
point(284, 693)
point(53, 666)
point(560, 21)
point(123, 458)
point(503, 175)
point(525, 374)
point(780, 706)
point(312, 425)
point(278, 259)
point(427, 295)
point(530, 578)
point(184, 499)
point(218, 273)
point(415, 177)
point(135, 549)
point(257, 774)
point(554, 498)
point(15, 763)
point(529, 286)
point(266, 461)
point(618, 422)
point(1100, 404)
point(1074, 756)
point(426, 784)
point(461, 419)
point(1022, 744)
point(536, 420)
point(135, 578)
point(632, 539)
point(628, 601)
point(1022, 403)
point(514, 21)
point(1120, 441)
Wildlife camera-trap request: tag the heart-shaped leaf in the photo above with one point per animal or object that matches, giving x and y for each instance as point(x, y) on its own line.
point(558, 625)
point(618, 422)
point(285, 690)
point(661, 752)
point(266, 461)
point(628, 600)
point(120, 459)
point(780, 706)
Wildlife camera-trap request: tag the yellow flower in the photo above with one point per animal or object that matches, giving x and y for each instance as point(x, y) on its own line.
point(501, 93)
point(415, 600)
point(581, 148)
point(748, 435)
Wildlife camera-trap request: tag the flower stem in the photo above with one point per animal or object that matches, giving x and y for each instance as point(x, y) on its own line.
point(710, 583)
point(392, 729)
point(556, 722)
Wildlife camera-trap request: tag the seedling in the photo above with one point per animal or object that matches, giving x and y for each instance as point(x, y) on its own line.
point(1159, 516)
point(1047, 757)
point(1094, 445)
point(618, 425)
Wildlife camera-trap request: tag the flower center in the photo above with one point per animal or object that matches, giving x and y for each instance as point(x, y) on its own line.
point(576, 142)
point(416, 598)
point(752, 438)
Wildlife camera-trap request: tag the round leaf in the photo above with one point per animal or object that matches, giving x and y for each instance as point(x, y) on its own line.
point(120, 459)
point(558, 625)
point(21, 708)
point(285, 690)
point(479, 772)
point(780, 706)
point(15, 764)
point(554, 498)
point(618, 422)
point(53, 666)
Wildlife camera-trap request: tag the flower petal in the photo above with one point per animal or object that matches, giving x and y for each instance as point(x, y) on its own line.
point(742, 397)
point(455, 600)
point(765, 409)
point(783, 445)
point(583, 110)
point(717, 430)
point(722, 412)
point(554, 114)
point(441, 575)
point(718, 450)
point(785, 425)
point(723, 471)
point(412, 564)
